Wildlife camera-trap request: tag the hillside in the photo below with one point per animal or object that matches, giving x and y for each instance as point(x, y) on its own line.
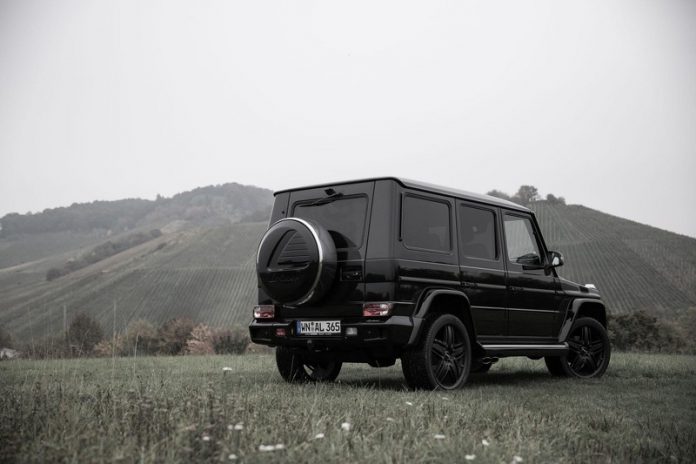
point(202, 266)
point(634, 266)
point(214, 205)
point(204, 274)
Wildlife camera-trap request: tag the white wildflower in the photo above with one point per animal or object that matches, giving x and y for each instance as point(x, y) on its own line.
point(206, 438)
point(391, 419)
point(444, 398)
point(279, 446)
point(439, 436)
point(485, 442)
point(517, 459)
point(239, 426)
point(232, 457)
point(345, 426)
point(226, 369)
point(318, 436)
point(408, 403)
point(470, 457)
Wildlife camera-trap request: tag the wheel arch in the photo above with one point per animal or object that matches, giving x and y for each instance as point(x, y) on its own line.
point(443, 301)
point(583, 307)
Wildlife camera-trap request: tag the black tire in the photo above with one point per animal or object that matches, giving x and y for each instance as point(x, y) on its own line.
point(294, 369)
point(296, 261)
point(555, 366)
point(442, 359)
point(589, 351)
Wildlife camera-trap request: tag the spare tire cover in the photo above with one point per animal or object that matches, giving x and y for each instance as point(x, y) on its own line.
point(296, 261)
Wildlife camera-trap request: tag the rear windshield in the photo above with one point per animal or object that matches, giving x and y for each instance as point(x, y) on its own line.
point(344, 218)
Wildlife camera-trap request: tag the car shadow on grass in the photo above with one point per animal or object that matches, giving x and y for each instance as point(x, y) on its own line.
point(397, 383)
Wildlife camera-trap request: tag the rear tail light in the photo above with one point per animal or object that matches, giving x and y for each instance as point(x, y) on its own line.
point(377, 309)
point(264, 312)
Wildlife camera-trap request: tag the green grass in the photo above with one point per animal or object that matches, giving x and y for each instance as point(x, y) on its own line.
point(160, 409)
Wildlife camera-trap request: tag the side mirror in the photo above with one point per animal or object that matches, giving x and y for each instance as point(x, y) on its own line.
point(555, 259)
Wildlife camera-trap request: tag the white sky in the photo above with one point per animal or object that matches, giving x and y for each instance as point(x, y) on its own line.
point(591, 100)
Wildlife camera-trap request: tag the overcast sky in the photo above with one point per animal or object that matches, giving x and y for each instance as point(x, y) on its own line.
point(591, 100)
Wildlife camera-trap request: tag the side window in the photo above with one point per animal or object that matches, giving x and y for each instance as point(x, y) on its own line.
point(477, 233)
point(522, 247)
point(426, 224)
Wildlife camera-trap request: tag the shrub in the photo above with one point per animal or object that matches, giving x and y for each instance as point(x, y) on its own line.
point(49, 347)
point(83, 334)
point(140, 338)
point(108, 347)
point(234, 340)
point(640, 331)
point(173, 335)
point(201, 340)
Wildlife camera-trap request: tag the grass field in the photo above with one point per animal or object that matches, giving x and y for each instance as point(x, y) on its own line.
point(188, 409)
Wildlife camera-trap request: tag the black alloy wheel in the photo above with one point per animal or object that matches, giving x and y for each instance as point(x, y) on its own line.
point(293, 368)
point(443, 358)
point(589, 351)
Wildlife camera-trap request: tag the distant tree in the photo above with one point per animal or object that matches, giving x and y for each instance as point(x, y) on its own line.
point(84, 332)
point(499, 194)
point(526, 194)
point(553, 199)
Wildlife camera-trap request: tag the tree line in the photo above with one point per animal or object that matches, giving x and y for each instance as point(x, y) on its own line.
point(231, 202)
point(527, 194)
point(101, 252)
point(85, 337)
point(638, 331)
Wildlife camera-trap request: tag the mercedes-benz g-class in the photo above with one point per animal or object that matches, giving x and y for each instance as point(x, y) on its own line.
point(447, 281)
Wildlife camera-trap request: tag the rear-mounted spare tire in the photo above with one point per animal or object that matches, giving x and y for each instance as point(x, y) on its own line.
point(296, 261)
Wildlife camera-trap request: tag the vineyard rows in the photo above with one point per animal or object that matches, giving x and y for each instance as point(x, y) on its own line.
point(208, 274)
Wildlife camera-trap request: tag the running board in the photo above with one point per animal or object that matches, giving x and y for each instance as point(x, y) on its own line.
point(501, 351)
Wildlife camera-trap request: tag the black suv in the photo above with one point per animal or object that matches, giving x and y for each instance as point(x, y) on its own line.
point(448, 281)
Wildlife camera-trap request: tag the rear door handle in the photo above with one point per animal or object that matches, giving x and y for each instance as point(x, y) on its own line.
point(469, 284)
point(516, 289)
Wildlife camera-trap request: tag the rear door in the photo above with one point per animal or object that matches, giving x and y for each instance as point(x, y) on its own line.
point(532, 296)
point(481, 267)
point(344, 211)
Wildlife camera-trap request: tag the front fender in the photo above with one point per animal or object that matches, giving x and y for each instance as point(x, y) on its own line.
point(582, 307)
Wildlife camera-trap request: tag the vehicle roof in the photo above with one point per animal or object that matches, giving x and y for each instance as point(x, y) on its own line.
point(425, 187)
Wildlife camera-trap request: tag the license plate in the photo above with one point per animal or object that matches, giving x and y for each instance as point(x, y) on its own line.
point(318, 327)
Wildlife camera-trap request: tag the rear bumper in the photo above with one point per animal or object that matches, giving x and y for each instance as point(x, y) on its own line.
point(374, 335)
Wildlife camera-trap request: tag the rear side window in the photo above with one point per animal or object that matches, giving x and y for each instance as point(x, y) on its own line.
point(426, 224)
point(521, 243)
point(344, 218)
point(477, 233)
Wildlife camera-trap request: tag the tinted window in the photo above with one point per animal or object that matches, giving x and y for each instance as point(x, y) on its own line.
point(522, 246)
point(343, 218)
point(477, 233)
point(426, 224)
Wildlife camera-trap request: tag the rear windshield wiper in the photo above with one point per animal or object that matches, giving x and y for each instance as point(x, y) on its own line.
point(332, 196)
